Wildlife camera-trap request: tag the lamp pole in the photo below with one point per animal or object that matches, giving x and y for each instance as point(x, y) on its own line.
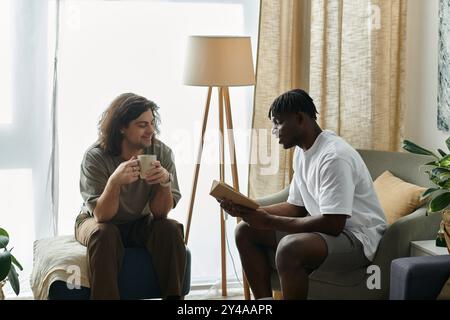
point(219, 61)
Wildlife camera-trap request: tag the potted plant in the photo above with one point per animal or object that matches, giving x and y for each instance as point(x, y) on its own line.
point(7, 261)
point(439, 174)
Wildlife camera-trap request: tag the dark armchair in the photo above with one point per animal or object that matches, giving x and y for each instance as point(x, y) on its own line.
point(419, 278)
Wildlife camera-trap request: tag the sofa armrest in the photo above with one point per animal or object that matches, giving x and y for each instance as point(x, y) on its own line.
point(413, 227)
point(396, 241)
point(274, 198)
point(418, 277)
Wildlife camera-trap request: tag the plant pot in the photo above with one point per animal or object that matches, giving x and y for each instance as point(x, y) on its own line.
point(445, 226)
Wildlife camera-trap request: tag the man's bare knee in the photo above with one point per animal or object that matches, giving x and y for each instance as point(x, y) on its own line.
point(288, 255)
point(242, 233)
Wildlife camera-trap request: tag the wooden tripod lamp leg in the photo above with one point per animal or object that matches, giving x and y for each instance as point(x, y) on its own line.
point(231, 140)
point(197, 166)
point(234, 170)
point(222, 179)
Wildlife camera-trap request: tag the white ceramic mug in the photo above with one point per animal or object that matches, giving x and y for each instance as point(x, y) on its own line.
point(146, 163)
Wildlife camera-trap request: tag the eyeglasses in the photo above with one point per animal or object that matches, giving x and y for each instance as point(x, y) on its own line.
point(275, 128)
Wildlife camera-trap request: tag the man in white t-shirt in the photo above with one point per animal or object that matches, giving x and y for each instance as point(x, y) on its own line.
point(332, 219)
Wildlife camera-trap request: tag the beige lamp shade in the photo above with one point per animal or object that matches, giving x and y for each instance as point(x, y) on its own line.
point(219, 61)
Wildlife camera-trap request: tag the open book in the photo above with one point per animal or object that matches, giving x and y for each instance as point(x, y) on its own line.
point(221, 190)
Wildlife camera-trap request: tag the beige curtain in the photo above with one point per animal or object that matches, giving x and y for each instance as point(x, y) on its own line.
point(282, 64)
point(357, 69)
point(349, 55)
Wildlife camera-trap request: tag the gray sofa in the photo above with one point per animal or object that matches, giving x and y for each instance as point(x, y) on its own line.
point(395, 242)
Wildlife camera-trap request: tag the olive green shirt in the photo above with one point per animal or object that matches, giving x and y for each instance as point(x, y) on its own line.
point(97, 166)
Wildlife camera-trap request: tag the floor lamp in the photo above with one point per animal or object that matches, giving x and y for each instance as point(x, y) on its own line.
point(222, 62)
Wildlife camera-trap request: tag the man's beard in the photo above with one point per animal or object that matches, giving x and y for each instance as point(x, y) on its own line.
point(140, 145)
point(143, 145)
point(146, 144)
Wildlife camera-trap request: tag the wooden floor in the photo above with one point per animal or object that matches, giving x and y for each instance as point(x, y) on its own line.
point(215, 294)
point(212, 292)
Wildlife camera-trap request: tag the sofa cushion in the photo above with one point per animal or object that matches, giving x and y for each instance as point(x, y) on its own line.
point(397, 197)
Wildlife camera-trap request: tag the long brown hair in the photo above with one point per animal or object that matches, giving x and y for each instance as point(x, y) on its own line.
point(124, 109)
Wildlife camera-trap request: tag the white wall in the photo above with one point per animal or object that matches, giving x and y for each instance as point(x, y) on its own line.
point(422, 74)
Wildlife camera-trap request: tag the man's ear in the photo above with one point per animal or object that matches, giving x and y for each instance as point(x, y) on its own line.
point(299, 117)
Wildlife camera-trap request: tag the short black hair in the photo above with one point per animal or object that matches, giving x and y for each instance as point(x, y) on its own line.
point(296, 100)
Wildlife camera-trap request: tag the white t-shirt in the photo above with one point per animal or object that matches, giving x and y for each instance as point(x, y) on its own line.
point(331, 178)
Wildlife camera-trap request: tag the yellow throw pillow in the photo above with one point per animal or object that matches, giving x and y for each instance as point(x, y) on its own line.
point(397, 197)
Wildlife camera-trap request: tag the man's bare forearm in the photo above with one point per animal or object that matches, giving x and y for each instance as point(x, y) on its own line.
point(285, 209)
point(329, 224)
point(108, 203)
point(162, 202)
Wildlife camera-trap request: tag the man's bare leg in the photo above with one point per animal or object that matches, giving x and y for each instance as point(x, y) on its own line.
point(253, 248)
point(296, 255)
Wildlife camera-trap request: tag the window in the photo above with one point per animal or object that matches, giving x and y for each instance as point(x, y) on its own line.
point(24, 129)
point(5, 62)
point(15, 185)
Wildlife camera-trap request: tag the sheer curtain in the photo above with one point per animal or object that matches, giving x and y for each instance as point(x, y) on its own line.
point(353, 58)
point(283, 64)
point(25, 128)
point(111, 47)
point(358, 69)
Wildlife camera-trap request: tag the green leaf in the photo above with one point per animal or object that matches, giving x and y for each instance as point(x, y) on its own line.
point(440, 177)
point(447, 142)
point(4, 233)
point(432, 163)
point(13, 279)
point(439, 203)
point(14, 260)
point(5, 264)
point(4, 238)
point(445, 162)
point(414, 148)
point(428, 192)
point(441, 152)
point(439, 171)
